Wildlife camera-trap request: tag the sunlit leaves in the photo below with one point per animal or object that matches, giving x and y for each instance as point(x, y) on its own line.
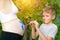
point(31, 8)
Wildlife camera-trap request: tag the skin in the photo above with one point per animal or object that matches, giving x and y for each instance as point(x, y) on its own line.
point(47, 18)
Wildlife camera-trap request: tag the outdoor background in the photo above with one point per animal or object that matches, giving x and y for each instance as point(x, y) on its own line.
point(31, 10)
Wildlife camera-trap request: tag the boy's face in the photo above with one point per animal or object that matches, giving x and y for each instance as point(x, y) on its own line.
point(47, 17)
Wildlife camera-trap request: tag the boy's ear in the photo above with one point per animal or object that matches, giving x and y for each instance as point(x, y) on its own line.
point(53, 17)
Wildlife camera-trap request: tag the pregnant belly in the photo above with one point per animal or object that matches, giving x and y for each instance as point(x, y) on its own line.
point(13, 26)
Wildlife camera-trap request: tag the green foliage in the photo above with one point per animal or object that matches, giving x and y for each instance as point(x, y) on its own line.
point(0, 29)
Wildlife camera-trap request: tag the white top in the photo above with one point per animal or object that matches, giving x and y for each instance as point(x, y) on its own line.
point(49, 30)
point(9, 16)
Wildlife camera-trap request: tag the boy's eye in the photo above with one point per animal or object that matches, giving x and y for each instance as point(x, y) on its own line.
point(47, 16)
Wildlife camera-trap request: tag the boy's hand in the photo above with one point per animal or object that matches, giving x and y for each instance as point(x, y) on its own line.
point(34, 24)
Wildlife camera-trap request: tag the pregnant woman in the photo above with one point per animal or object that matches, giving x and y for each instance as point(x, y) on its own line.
point(12, 27)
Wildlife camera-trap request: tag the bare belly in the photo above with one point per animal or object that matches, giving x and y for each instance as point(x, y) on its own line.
point(13, 26)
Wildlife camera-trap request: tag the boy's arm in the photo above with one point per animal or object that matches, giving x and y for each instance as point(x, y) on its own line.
point(34, 34)
point(42, 36)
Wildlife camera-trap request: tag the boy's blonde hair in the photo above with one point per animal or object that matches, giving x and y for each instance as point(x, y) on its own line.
point(49, 9)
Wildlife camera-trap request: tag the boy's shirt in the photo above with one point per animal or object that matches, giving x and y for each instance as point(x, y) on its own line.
point(49, 30)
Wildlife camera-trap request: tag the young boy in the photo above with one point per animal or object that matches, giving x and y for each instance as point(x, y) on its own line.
point(48, 29)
